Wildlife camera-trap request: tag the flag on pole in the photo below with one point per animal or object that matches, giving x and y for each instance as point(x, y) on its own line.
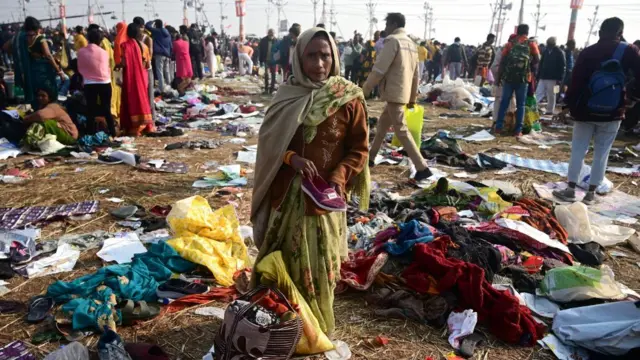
point(577, 4)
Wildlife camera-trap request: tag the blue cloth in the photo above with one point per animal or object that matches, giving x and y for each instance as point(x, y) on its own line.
point(162, 44)
point(411, 233)
point(91, 298)
point(63, 87)
point(93, 140)
point(521, 95)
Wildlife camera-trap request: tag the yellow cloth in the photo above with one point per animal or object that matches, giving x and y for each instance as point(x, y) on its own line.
point(209, 238)
point(115, 89)
point(422, 53)
point(313, 340)
point(431, 50)
point(79, 41)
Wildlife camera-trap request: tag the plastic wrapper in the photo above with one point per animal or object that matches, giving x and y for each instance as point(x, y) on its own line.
point(209, 238)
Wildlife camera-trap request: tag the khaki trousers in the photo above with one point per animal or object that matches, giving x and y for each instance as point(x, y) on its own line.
point(393, 115)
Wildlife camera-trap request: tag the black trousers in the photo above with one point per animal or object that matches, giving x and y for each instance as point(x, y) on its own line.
point(196, 64)
point(93, 92)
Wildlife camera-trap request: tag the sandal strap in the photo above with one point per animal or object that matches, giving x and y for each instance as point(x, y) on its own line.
point(144, 309)
point(128, 308)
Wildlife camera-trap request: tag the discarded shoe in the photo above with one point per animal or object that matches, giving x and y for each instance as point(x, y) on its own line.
point(323, 195)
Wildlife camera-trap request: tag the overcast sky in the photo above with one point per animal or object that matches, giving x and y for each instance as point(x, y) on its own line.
point(468, 19)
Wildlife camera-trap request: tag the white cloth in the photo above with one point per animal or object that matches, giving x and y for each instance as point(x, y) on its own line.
point(245, 63)
point(546, 89)
point(121, 248)
point(212, 61)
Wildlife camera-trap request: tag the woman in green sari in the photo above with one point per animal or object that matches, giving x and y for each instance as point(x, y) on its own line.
point(35, 67)
point(316, 126)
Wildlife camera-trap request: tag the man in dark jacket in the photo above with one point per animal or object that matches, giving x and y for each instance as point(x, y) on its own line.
point(603, 128)
point(455, 59)
point(265, 57)
point(162, 49)
point(196, 51)
point(286, 46)
point(551, 74)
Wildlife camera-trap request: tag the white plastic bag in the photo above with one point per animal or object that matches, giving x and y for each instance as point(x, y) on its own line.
point(461, 325)
point(575, 219)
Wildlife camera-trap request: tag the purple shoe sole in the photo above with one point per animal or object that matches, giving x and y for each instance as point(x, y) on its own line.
point(323, 195)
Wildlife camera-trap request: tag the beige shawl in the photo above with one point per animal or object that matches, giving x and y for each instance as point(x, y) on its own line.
point(288, 111)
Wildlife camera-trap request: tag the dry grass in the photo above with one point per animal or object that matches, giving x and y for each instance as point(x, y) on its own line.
point(185, 335)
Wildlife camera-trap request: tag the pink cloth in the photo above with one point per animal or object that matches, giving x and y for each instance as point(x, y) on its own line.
point(93, 64)
point(183, 60)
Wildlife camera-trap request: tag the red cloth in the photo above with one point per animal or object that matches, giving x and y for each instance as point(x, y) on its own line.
point(135, 108)
point(501, 311)
point(359, 271)
point(222, 294)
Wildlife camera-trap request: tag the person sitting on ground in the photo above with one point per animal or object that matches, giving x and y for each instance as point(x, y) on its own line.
point(552, 71)
point(396, 70)
point(587, 110)
point(50, 118)
point(316, 126)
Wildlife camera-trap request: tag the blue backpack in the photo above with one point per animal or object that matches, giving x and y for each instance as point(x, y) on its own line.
point(606, 85)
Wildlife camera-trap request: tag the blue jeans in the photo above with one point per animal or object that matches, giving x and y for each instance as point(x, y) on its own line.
point(455, 70)
point(603, 134)
point(63, 87)
point(507, 92)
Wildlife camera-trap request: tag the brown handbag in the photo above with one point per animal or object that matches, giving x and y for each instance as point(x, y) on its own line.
point(240, 339)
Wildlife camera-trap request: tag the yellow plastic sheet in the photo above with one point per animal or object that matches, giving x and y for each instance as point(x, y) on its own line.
point(273, 271)
point(415, 120)
point(209, 238)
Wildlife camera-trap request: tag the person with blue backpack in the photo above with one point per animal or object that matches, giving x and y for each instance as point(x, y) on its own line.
point(597, 99)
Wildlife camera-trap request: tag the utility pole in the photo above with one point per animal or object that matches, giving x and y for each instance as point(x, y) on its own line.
point(537, 17)
point(426, 19)
point(521, 14)
point(315, 11)
point(431, 28)
point(494, 12)
point(592, 23)
point(279, 5)
point(222, 17)
point(372, 20)
point(323, 17)
point(268, 12)
point(185, 20)
point(575, 6)
point(24, 8)
point(332, 17)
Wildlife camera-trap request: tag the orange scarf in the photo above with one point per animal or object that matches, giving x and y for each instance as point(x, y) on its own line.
point(121, 37)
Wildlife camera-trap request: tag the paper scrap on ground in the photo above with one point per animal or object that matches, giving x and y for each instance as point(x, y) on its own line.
point(532, 232)
point(461, 325)
point(518, 147)
point(63, 260)
point(483, 135)
point(341, 351)
point(383, 160)
point(465, 175)
point(126, 157)
point(509, 169)
point(210, 311)
point(121, 248)
point(115, 200)
point(248, 157)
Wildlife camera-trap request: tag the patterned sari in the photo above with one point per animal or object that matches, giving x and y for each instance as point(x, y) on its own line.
point(369, 59)
point(32, 70)
point(135, 110)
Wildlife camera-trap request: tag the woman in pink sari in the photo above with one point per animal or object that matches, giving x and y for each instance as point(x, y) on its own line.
point(135, 111)
point(184, 71)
